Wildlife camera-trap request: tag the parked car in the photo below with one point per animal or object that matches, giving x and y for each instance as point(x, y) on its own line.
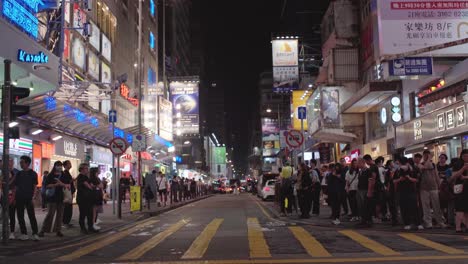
point(268, 191)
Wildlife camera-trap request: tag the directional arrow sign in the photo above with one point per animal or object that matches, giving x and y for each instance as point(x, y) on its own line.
point(112, 116)
point(302, 112)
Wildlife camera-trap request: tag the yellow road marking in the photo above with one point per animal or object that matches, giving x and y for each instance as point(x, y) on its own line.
point(431, 244)
point(200, 245)
point(103, 242)
point(257, 243)
point(152, 242)
point(369, 243)
point(317, 260)
point(311, 245)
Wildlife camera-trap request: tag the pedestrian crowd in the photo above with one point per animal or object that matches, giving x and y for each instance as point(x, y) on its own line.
point(177, 189)
point(414, 192)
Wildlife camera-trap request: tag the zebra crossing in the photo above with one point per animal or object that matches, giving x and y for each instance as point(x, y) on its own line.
point(262, 242)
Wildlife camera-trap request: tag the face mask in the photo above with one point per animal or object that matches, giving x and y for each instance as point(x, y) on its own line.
point(59, 168)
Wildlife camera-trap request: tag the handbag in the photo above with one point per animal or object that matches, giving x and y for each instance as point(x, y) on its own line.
point(67, 196)
point(458, 188)
point(50, 192)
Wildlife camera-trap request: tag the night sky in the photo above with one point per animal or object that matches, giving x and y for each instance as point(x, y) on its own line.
point(236, 37)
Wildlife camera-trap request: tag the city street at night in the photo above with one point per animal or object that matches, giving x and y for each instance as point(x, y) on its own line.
point(241, 229)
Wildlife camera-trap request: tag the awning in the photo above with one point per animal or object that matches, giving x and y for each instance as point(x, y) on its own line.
point(334, 135)
point(370, 95)
point(68, 118)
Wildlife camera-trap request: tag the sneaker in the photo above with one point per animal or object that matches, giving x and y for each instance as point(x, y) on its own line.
point(408, 227)
point(96, 227)
point(12, 236)
point(420, 227)
point(35, 237)
point(98, 221)
point(24, 237)
point(336, 222)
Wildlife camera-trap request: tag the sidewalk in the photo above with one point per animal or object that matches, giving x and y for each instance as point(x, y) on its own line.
point(324, 220)
point(109, 222)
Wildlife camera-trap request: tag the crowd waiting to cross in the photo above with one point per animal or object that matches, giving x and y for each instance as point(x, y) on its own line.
point(59, 188)
point(413, 192)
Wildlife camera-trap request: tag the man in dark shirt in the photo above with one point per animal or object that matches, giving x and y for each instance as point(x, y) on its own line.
point(26, 182)
point(84, 199)
point(68, 179)
point(367, 175)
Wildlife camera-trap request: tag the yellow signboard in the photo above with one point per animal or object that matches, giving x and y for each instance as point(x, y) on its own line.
point(135, 198)
point(296, 103)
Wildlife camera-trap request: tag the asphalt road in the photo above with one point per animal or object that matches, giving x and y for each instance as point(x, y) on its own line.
point(238, 229)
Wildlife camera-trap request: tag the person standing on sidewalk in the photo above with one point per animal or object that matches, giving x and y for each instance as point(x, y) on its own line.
point(84, 198)
point(162, 188)
point(25, 183)
point(68, 207)
point(316, 187)
point(304, 190)
point(351, 189)
point(286, 190)
point(54, 197)
point(174, 189)
point(335, 183)
point(11, 199)
point(430, 191)
point(43, 191)
point(366, 180)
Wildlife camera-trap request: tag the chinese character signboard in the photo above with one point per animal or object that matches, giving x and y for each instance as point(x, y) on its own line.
point(285, 65)
point(407, 25)
point(411, 66)
point(165, 119)
point(125, 93)
point(184, 97)
point(22, 13)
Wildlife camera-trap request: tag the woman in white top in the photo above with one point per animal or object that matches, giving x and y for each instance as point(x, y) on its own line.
point(351, 188)
point(162, 187)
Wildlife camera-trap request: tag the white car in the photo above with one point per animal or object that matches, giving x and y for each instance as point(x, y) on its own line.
point(268, 191)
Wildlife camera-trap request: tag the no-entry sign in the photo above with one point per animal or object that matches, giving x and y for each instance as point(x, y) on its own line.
point(294, 139)
point(118, 146)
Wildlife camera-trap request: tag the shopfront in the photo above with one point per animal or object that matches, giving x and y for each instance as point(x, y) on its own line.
point(101, 158)
point(442, 131)
point(18, 148)
point(68, 148)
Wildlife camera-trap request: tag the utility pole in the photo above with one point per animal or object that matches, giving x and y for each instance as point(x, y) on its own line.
point(6, 94)
point(140, 90)
point(164, 47)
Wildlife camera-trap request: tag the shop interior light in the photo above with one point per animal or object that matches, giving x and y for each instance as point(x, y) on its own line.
point(171, 149)
point(268, 110)
point(311, 85)
point(187, 142)
point(37, 131)
point(56, 137)
point(13, 124)
point(15, 82)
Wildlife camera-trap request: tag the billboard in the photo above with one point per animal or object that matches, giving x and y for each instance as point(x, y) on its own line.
point(270, 136)
point(220, 155)
point(285, 52)
point(285, 65)
point(165, 119)
point(330, 106)
point(298, 101)
point(406, 25)
point(184, 97)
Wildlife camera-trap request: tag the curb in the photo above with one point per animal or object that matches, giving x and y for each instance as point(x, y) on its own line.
point(15, 250)
point(276, 215)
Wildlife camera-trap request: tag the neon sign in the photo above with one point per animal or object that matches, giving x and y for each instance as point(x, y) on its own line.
point(22, 14)
point(151, 40)
point(80, 116)
point(23, 56)
point(152, 8)
point(125, 93)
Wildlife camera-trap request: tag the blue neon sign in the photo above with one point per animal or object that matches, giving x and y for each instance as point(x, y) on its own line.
point(151, 40)
point(80, 116)
point(22, 14)
point(152, 8)
point(151, 76)
point(50, 103)
point(129, 138)
point(23, 56)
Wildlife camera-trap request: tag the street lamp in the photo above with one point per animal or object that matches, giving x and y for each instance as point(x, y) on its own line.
point(268, 110)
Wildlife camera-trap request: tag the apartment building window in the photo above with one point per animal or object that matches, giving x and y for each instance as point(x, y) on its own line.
point(106, 21)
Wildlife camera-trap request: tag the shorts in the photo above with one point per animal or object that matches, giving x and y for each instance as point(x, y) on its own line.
point(161, 192)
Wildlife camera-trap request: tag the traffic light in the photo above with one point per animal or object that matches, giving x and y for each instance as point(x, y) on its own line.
point(18, 93)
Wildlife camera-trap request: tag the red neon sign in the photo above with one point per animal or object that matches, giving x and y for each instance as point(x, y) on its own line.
point(125, 93)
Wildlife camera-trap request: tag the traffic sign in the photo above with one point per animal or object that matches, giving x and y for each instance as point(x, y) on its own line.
point(302, 112)
point(112, 116)
point(294, 139)
point(118, 146)
point(139, 143)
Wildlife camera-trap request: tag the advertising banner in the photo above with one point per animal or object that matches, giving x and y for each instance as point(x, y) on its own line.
point(66, 44)
point(270, 126)
point(165, 119)
point(79, 18)
point(93, 65)
point(184, 97)
point(297, 102)
point(106, 48)
point(78, 53)
point(106, 76)
point(285, 79)
point(285, 52)
point(411, 66)
point(135, 198)
point(406, 25)
point(270, 136)
point(95, 37)
point(330, 106)
point(220, 155)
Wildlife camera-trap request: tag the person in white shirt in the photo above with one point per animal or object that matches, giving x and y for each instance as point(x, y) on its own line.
point(162, 188)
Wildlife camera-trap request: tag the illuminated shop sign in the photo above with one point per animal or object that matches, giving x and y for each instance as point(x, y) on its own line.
point(125, 93)
point(40, 57)
point(80, 116)
point(22, 14)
